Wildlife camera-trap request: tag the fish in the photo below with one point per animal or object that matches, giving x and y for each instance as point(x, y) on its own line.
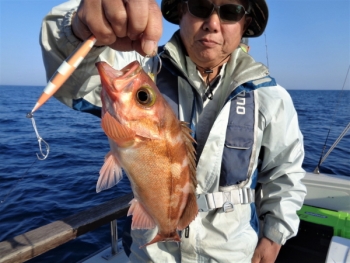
point(153, 147)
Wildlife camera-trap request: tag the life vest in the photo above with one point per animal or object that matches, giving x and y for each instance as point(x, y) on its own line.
point(240, 130)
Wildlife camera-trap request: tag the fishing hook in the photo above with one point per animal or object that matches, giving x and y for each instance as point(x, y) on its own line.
point(40, 140)
point(159, 59)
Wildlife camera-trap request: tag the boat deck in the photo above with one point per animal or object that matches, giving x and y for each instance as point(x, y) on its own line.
point(105, 255)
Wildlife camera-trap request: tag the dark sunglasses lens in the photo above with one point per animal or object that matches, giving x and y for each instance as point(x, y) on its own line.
point(200, 8)
point(231, 12)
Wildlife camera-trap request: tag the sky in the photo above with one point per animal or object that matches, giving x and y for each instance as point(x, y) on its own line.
point(306, 43)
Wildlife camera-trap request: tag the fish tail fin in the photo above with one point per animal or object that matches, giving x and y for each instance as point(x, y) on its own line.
point(189, 213)
point(173, 237)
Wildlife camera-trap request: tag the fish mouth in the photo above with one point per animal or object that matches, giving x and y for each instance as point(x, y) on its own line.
point(109, 75)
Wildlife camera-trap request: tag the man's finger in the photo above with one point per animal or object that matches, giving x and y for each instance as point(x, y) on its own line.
point(80, 30)
point(153, 31)
point(117, 17)
point(146, 42)
point(92, 15)
point(123, 44)
point(138, 16)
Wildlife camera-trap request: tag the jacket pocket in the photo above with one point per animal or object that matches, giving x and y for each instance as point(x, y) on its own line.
point(236, 157)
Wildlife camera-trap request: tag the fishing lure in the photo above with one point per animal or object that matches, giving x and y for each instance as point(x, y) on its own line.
point(57, 80)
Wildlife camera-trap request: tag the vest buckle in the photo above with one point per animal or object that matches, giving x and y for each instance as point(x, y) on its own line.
point(202, 203)
point(228, 207)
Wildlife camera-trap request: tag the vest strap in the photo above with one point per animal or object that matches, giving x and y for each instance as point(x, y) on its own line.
point(226, 200)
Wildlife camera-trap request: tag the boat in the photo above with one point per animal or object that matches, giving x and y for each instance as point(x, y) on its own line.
point(324, 230)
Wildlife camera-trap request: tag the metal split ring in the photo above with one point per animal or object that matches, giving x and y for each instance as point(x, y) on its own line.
point(159, 59)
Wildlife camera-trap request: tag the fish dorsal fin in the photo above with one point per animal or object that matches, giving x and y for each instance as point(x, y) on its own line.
point(140, 217)
point(191, 208)
point(191, 152)
point(110, 173)
point(122, 135)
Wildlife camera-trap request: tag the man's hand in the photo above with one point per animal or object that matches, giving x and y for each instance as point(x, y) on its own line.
point(123, 25)
point(266, 251)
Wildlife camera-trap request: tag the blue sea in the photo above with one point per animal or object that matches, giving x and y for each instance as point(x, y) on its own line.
point(34, 193)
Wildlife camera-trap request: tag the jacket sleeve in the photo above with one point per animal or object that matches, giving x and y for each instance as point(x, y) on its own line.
point(82, 90)
point(281, 157)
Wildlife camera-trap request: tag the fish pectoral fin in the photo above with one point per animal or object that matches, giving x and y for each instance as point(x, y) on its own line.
point(110, 173)
point(189, 213)
point(120, 134)
point(141, 219)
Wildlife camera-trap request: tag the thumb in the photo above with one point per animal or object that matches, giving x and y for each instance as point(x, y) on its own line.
point(153, 31)
point(256, 257)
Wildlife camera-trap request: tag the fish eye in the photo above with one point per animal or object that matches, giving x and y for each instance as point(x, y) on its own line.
point(146, 96)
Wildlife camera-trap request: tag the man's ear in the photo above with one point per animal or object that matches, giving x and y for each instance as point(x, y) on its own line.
point(248, 20)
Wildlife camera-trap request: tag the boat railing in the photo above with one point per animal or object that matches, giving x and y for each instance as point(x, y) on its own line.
point(40, 240)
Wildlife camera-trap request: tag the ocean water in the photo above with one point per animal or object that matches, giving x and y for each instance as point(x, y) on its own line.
point(34, 193)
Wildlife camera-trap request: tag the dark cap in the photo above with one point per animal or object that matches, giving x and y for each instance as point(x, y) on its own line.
point(258, 11)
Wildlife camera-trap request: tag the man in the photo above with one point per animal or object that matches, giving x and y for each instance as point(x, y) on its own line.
point(245, 124)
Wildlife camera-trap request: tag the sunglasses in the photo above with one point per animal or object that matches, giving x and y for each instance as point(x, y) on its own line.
point(228, 13)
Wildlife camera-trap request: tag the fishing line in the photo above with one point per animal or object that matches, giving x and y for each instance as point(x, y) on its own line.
point(13, 187)
point(267, 56)
point(322, 158)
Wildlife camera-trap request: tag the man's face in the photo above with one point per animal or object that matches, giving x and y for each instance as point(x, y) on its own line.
point(209, 41)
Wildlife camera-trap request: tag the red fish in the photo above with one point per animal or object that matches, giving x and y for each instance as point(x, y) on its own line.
point(152, 146)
